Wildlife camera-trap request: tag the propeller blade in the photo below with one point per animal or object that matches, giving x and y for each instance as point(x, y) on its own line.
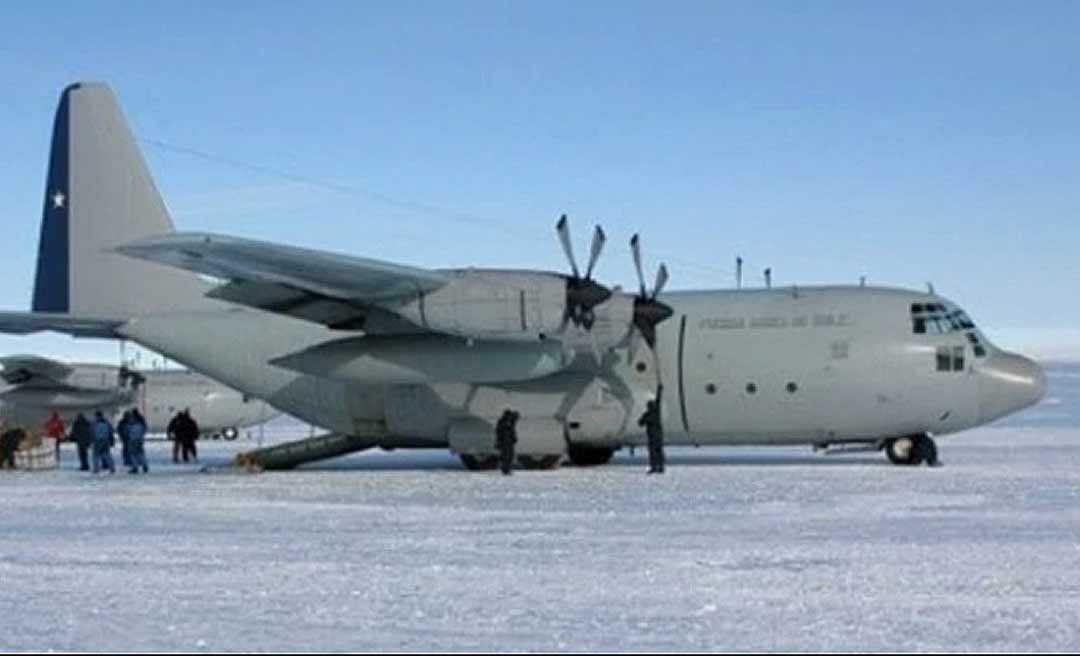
point(632, 347)
point(648, 332)
point(597, 247)
point(661, 280)
point(635, 248)
point(599, 359)
point(564, 236)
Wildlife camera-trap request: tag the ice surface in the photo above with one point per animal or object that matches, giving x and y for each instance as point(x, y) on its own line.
point(749, 549)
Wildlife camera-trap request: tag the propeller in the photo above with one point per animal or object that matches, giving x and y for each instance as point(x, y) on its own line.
point(648, 312)
point(582, 292)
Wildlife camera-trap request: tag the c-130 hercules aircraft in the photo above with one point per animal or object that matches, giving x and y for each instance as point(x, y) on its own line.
point(404, 357)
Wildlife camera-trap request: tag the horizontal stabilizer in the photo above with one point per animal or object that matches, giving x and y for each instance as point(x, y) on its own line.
point(22, 323)
point(323, 273)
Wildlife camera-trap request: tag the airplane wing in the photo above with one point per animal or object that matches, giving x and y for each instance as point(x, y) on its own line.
point(23, 369)
point(329, 288)
point(22, 323)
point(327, 274)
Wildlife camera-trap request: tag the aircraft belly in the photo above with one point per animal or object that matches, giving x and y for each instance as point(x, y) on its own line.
point(235, 346)
point(591, 410)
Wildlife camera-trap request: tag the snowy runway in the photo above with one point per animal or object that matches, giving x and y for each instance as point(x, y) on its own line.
point(758, 549)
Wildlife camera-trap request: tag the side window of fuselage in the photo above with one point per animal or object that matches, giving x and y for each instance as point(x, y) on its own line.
point(944, 359)
point(950, 358)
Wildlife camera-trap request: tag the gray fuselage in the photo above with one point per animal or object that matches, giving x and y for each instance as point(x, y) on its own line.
point(815, 365)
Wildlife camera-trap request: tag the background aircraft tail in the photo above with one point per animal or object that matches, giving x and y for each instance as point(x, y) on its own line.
point(99, 194)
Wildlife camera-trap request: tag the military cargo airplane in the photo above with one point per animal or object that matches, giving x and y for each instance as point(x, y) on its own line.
point(37, 386)
point(406, 357)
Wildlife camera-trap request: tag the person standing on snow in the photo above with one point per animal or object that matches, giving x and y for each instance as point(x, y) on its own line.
point(104, 439)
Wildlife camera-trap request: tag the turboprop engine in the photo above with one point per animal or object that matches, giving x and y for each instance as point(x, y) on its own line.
point(43, 383)
point(532, 306)
point(523, 306)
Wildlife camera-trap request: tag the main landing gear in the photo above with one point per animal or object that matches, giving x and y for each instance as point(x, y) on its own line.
point(912, 450)
point(590, 456)
point(491, 462)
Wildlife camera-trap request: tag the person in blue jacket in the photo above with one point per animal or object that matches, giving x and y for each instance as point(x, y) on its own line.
point(104, 438)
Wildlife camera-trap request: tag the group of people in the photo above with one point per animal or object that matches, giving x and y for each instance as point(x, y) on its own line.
point(183, 430)
point(651, 421)
point(96, 438)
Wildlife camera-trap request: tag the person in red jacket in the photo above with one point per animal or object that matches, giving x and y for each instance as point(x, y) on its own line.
point(55, 430)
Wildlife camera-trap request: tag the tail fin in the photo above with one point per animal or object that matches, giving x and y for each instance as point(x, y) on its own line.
point(99, 194)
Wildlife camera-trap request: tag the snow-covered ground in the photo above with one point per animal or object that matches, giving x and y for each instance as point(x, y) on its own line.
point(748, 549)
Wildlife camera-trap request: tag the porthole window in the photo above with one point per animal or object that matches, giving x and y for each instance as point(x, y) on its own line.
point(792, 388)
point(641, 367)
point(710, 389)
point(751, 388)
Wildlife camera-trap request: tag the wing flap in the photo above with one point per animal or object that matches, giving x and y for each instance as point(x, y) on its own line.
point(282, 299)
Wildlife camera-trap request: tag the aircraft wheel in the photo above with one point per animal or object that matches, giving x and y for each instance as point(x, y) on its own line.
point(901, 451)
point(539, 462)
point(230, 433)
point(925, 451)
point(479, 463)
point(590, 456)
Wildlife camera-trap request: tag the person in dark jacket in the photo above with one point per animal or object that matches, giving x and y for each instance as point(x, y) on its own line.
point(506, 439)
point(171, 433)
point(122, 432)
point(651, 420)
point(83, 438)
point(9, 444)
point(137, 442)
point(188, 430)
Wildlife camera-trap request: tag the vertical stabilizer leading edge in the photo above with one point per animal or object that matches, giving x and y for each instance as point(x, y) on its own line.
point(98, 195)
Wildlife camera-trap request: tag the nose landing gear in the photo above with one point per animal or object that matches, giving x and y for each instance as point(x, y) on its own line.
point(912, 450)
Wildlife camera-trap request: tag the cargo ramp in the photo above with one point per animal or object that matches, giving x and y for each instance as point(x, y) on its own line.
point(290, 455)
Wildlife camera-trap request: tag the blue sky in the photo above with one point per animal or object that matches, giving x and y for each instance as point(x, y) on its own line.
point(908, 142)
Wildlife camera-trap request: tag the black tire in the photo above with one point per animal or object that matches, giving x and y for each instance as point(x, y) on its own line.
point(479, 463)
point(925, 451)
point(590, 456)
point(902, 450)
point(539, 462)
point(230, 433)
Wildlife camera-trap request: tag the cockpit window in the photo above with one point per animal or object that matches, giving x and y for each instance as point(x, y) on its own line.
point(976, 344)
point(936, 319)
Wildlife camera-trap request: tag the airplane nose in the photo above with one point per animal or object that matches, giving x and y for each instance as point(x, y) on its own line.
point(1008, 382)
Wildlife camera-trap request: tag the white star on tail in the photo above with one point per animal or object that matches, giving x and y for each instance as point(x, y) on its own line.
point(58, 200)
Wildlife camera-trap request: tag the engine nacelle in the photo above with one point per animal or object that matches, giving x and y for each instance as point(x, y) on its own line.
point(514, 306)
point(424, 359)
point(599, 415)
point(491, 304)
point(73, 399)
point(97, 377)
